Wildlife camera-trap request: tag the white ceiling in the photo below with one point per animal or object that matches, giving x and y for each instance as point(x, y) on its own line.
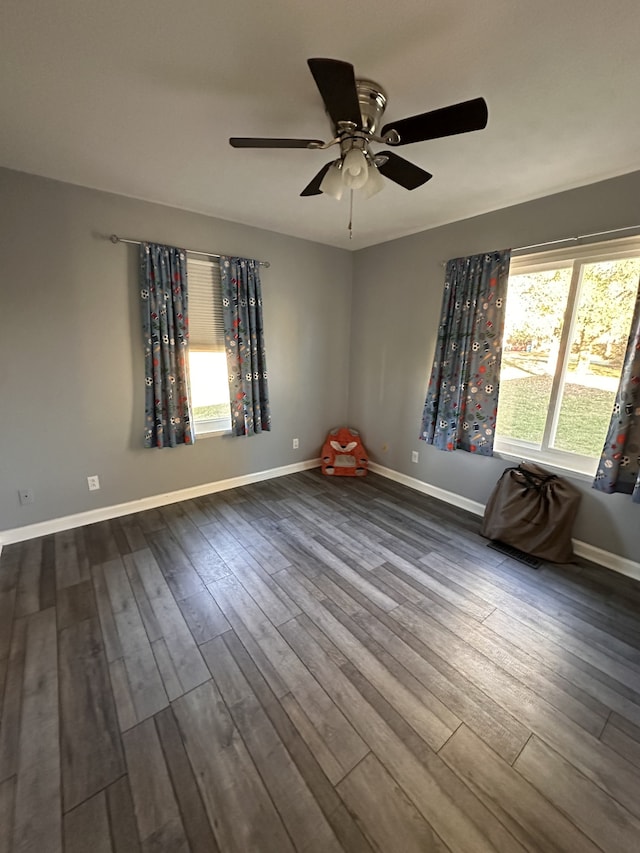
point(139, 97)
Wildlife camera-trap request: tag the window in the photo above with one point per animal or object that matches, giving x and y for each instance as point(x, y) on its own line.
point(568, 319)
point(207, 360)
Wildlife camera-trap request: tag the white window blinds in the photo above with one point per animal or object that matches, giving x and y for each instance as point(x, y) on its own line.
point(206, 326)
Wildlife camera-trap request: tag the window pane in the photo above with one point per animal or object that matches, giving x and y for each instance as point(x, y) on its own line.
point(601, 330)
point(536, 304)
point(209, 385)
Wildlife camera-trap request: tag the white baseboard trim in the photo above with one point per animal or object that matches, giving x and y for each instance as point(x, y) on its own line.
point(605, 558)
point(582, 549)
point(55, 525)
point(427, 489)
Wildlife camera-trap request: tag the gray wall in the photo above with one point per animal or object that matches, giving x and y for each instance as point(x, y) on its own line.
point(71, 375)
point(71, 370)
point(396, 298)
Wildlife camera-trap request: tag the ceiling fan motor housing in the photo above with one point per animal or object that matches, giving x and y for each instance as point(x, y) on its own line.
point(373, 101)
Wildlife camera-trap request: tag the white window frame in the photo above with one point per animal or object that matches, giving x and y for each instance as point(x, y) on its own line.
point(209, 427)
point(577, 257)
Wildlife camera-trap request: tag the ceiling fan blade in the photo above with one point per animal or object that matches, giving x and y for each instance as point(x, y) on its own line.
point(257, 142)
point(458, 118)
point(313, 187)
point(336, 82)
point(407, 174)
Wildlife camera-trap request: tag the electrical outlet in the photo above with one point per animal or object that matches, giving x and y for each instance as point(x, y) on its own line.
point(414, 455)
point(93, 482)
point(385, 447)
point(296, 444)
point(26, 496)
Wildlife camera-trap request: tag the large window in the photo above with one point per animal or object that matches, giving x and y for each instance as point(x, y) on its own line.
point(207, 360)
point(568, 318)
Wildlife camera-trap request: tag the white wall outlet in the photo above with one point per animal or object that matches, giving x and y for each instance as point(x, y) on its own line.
point(385, 447)
point(414, 455)
point(26, 496)
point(296, 444)
point(93, 482)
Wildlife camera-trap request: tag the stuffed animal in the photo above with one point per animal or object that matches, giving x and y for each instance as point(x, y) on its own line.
point(343, 454)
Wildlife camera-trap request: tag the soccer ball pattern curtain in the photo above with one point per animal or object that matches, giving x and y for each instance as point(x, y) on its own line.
point(462, 398)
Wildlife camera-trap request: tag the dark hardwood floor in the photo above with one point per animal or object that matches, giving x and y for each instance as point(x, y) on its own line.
point(313, 664)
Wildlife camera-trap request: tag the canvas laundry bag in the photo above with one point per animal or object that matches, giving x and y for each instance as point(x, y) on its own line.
point(534, 511)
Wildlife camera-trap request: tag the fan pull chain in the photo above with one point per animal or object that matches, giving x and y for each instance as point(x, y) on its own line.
point(350, 226)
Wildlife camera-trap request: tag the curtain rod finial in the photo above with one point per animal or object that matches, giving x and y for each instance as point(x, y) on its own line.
point(114, 238)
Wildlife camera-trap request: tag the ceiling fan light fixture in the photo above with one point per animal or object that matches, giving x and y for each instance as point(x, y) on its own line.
point(332, 183)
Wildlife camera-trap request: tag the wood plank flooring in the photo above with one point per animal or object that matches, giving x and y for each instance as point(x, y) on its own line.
point(310, 665)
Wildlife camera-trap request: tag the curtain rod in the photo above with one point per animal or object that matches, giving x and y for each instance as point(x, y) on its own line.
point(570, 239)
point(575, 239)
point(115, 239)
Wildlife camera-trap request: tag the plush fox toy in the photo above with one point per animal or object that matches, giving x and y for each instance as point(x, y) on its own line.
point(343, 454)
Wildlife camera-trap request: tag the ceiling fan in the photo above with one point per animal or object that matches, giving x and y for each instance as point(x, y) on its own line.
point(355, 108)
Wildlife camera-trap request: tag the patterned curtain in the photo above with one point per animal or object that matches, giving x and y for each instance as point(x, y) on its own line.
point(462, 399)
point(619, 468)
point(163, 292)
point(244, 342)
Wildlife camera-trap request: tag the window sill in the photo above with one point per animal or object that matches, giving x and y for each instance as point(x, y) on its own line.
point(546, 461)
point(212, 433)
point(212, 427)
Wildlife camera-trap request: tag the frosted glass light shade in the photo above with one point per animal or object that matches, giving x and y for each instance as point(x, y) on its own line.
point(375, 182)
point(332, 182)
point(355, 169)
